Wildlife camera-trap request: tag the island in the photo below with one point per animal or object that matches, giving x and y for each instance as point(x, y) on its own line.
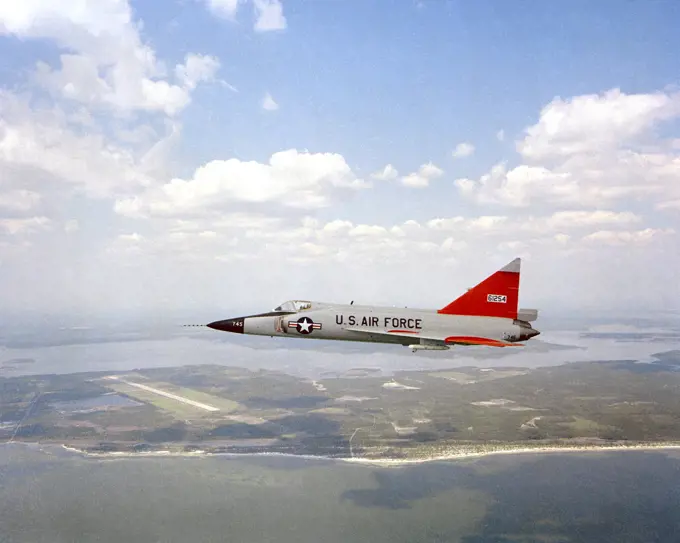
point(361, 415)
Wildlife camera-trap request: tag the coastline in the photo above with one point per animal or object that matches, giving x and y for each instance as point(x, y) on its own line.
point(453, 455)
point(462, 455)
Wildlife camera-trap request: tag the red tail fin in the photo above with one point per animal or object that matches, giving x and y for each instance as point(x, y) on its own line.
point(496, 296)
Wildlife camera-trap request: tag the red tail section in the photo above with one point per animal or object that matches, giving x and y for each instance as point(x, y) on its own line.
point(496, 296)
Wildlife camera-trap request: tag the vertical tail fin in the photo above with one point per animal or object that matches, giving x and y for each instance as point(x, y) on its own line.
point(496, 296)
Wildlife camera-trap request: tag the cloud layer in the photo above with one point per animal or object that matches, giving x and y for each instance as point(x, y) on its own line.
point(97, 210)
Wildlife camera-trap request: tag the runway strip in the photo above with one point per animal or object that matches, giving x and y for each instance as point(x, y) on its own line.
point(166, 394)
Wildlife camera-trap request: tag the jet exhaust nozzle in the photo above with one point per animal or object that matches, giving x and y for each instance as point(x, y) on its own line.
point(528, 333)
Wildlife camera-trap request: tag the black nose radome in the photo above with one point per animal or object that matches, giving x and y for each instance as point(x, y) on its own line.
point(228, 325)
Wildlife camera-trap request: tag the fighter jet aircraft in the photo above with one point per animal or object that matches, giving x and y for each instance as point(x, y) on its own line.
point(486, 314)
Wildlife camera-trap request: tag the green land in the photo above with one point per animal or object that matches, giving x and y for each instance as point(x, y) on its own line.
point(409, 416)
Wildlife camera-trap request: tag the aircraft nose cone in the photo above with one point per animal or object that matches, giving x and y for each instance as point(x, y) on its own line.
point(228, 325)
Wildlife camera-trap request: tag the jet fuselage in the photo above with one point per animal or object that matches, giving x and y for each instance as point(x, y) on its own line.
point(403, 326)
point(487, 314)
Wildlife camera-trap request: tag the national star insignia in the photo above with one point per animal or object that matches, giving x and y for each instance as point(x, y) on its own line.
point(304, 325)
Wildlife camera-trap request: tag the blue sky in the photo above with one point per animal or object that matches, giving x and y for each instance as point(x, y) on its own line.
point(391, 79)
point(584, 182)
point(404, 82)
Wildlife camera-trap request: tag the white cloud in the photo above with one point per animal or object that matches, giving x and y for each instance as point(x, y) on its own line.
point(463, 150)
point(291, 179)
point(223, 8)
point(368, 230)
point(130, 238)
point(388, 173)
point(71, 226)
point(19, 200)
point(269, 15)
point(423, 176)
point(309, 240)
point(196, 69)
point(588, 123)
point(473, 246)
point(336, 226)
point(575, 219)
point(520, 185)
point(105, 61)
point(587, 151)
point(446, 224)
point(268, 103)
point(531, 225)
point(38, 146)
point(25, 226)
point(610, 237)
point(487, 223)
point(669, 204)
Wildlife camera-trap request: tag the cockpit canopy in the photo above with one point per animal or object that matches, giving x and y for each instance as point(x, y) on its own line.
point(294, 305)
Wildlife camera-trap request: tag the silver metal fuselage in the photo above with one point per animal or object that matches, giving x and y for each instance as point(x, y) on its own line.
point(487, 314)
point(403, 326)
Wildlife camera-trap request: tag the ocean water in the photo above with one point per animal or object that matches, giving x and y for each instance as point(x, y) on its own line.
point(52, 495)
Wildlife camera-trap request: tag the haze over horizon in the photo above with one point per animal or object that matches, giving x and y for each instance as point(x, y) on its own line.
point(229, 155)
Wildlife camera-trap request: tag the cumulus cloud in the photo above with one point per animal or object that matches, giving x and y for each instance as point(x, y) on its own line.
point(38, 146)
point(104, 60)
point(463, 150)
point(402, 241)
point(521, 185)
point(422, 177)
point(588, 150)
point(610, 237)
point(291, 179)
point(197, 68)
point(576, 219)
point(591, 122)
point(223, 8)
point(388, 173)
point(269, 15)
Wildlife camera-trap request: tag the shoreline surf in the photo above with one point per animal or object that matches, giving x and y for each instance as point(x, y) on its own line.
point(382, 462)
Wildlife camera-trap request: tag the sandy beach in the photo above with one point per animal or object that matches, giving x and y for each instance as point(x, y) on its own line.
point(390, 462)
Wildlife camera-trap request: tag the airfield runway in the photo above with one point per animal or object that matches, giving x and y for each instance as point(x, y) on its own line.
point(166, 394)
